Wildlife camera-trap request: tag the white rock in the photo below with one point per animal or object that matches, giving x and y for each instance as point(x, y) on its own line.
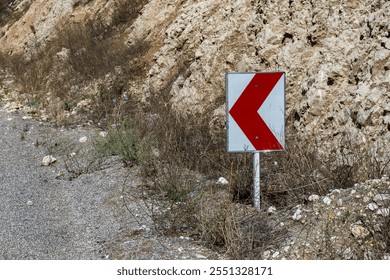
point(271, 210)
point(382, 199)
point(144, 228)
point(372, 206)
point(200, 256)
point(348, 253)
point(327, 200)
point(222, 181)
point(275, 255)
point(48, 160)
point(103, 133)
point(59, 174)
point(297, 215)
point(230, 58)
point(156, 152)
point(30, 203)
point(359, 231)
point(314, 197)
point(266, 254)
point(385, 212)
point(83, 139)
point(339, 202)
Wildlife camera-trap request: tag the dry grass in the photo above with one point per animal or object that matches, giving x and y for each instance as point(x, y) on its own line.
point(8, 15)
point(177, 155)
point(54, 76)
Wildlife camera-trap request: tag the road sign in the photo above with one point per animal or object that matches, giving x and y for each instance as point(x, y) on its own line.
point(255, 111)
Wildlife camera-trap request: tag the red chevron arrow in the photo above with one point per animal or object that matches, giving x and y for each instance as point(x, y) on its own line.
point(245, 111)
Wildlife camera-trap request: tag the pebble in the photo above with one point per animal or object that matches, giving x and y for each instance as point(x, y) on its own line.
point(59, 174)
point(359, 231)
point(297, 215)
point(327, 200)
point(271, 210)
point(313, 197)
point(372, 206)
point(48, 160)
point(266, 254)
point(222, 181)
point(103, 133)
point(30, 203)
point(381, 198)
point(348, 253)
point(144, 228)
point(385, 212)
point(83, 139)
point(199, 256)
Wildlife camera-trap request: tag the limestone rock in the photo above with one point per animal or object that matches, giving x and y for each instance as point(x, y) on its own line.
point(271, 210)
point(48, 160)
point(372, 206)
point(222, 181)
point(382, 199)
point(358, 231)
point(327, 200)
point(313, 197)
point(83, 139)
point(297, 215)
point(385, 212)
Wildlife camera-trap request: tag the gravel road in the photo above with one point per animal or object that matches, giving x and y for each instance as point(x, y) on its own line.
point(79, 207)
point(42, 215)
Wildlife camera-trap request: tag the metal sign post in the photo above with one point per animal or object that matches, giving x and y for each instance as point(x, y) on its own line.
point(256, 180)
point(255, 111)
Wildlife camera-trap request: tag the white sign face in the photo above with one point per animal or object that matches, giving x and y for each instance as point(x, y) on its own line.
point(255, 111)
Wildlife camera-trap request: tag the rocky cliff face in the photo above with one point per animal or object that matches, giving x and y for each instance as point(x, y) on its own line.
point(335, 53)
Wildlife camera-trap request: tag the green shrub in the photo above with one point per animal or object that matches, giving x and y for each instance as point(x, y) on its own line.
point(122, 140)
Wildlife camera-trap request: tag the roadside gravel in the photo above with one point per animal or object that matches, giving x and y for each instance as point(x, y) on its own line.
point(79, 207)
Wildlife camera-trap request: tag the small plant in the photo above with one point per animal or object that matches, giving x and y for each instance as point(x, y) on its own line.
point(23, 133)
point(123, 140)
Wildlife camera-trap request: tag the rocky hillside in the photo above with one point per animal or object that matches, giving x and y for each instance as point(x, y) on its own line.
point(335, 54)
point(70, 56)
